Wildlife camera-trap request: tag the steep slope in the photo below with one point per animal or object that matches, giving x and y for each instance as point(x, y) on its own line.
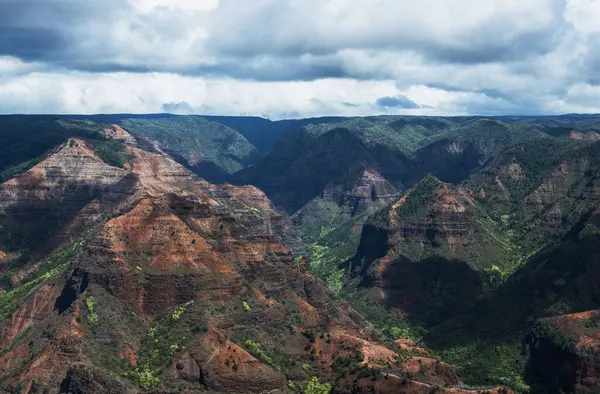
point(26, 139)
point(540, 190)
point(401, 150)
point(314, 170)
point(421, 255)
point(526, 199)
point(564, 352)
point(210, 149)
point(331, 223)
point(264, 134)
point(160, 280)
point(303, 165)
point(504, 342)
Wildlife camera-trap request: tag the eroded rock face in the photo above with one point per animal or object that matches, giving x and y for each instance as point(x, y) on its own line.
point(176, 277)
point(447, 219)
point(51, 193)
point(226, 367)
point(558, 185)
point(370, 193)
point(118, 133)
point(30, 313)
point(586, 136)
point(83, 379)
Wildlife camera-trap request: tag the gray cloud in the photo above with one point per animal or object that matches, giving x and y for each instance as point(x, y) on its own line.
point(500, 56)
point(397, 102)
point(182, 107)
point(86, 35)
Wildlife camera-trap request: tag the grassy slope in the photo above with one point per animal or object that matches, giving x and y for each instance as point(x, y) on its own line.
point(194, 135)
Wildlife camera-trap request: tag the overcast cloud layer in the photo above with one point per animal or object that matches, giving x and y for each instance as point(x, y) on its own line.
point(297, 58)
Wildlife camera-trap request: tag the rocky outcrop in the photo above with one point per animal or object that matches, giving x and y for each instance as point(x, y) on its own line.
point(585, 136)
point(294, 173)
point(370, 193)
point(343, 208)
point(31, 312)
point(558, 185)
point(432, 219)
point(83, 379)
point(118, 133)
point(226, 367)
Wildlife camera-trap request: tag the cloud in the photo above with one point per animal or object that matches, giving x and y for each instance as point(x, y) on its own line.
point(455, 56)
point(182, 108)
point(399, 101)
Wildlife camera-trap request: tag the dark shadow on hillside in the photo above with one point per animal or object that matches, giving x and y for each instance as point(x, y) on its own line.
point(431, 290)
point(448, 160)
point(300, 167)
point(561, 280)
point(206, 170)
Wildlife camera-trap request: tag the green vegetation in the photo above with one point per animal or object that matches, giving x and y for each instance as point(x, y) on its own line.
point(112, 152)
point(176, 315)
point(419, 196)
point(392, 326)
point(324, 263)
point(25, 140)
point(144, 377)
point(348, 364)
point(257, 351)
point(546, 329)
point(331, 241)
point(92, 316)
point(45, 270)
point(193, 138)
point(484, 364)
point(20, 168)
point(315, 387)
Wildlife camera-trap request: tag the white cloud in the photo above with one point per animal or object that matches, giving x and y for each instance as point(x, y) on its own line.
point(584, 15)
point(141, 93)
point(146, 6)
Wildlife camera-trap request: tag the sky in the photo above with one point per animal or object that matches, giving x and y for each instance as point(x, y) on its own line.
point(300, 58)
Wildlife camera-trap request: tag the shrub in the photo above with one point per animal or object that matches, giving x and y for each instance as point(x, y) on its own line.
point(147, 380)
point(177, 314)
point(92, 316)
point(315, 387)
point(257, 351)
